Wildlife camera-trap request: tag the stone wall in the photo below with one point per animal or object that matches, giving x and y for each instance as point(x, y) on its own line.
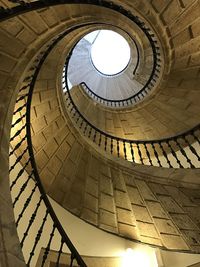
point(151, 205)
point(175, 229)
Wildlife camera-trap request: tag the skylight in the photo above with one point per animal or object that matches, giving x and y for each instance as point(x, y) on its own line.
point(110, 52)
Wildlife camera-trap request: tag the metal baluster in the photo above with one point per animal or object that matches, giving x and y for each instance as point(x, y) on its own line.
point(19, 109)
point(80, 127)
point(85, 129)
point(19, 174)
point(105, 143)
point(32, 219)
point(148, 154)
point(59, 252)
point(184, 153)
point(18, 160)
point(22, 97)
point(22, 188)
point(17, 133)
point(174, 154)
point(47, 249)
point(100, 140)
point(118, 148)
point(111, 146)
point(37, 238)
point(125, 155)
point(156, 154)
point(72, 260)
point(139, 153)
point(195, 137)
point(17, 146)
point(132, 152)
point(24, 87)
point(192, 149)
point(95, 136)
point(165, 154)
point(26, 205)
point(18, 121)
point(90, 132)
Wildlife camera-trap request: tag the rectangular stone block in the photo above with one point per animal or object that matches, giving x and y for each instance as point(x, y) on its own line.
point(91, 202)
point(54, 165)
point(159, 5)
point(196, 28)
point(125, 216)
point(128, 231)
point(147, 229)
point(145, 190)
point(165, 226)
point(47, 95)
point(107, 218)
point(63, 151)
point(106, 185)
point(105, 170)
point(39, 124)
point(35, 23)
point(118, 181)
point(70, 138)
point(171, 12)
point(52, 116)
point(174, 242)
point(41, 159)
point(156, 210)
point(75, 152)
point(141, 213)
point(38, 141)
point(42, 109)
point(134, 196)
point(27, 36)
point(169, 204)
point(90, 216)
point(61, 134)
point(129, 179)
point(182, 37)
point(184, 222)
point(49, 17)
point(94, 168)
point(187, 18)
point(121, 200)
point(107, 202)
point(7, 63)
point(193, 237)
point(50, 147)
point(7, 41)
point(47, 178)
point(92, 186)
point(13, 26)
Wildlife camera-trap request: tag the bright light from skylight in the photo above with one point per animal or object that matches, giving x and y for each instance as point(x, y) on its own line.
point(110, 52)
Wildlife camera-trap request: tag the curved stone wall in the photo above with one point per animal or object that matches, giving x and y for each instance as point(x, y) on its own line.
point(149, 205)
point(158, 209)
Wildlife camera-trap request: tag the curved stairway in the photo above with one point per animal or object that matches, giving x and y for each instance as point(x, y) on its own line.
point(152, 205)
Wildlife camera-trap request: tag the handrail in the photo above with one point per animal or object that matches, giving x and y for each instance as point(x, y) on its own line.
point(151, 152)
point(117, 145)
point(25, 95)
point(145, 90)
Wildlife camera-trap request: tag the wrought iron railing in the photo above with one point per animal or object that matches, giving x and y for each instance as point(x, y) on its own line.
point(180, 151)
point(36, 221)
point(39, 225)
point(150, 82)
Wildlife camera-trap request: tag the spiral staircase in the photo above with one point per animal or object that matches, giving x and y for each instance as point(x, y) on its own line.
point(100, 157)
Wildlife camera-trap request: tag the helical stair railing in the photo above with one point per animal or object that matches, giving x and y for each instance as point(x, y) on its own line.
point(149, 84)
point(179, 151)
point(26, 175)
point(25, 165)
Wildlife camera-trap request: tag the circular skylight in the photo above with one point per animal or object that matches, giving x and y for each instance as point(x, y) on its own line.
point(110, 52)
